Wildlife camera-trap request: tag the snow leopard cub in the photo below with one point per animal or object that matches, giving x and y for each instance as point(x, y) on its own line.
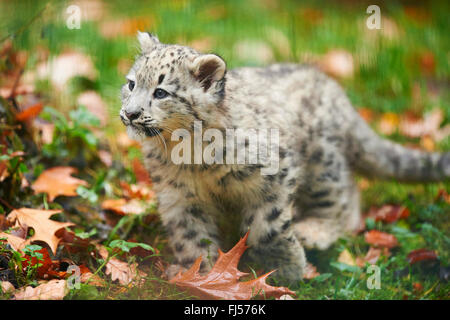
point(309, 202)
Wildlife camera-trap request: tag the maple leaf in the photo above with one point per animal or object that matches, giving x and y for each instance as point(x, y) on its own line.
point(222, 282)
point(120, 270)
point(39, 220)
point(380, 239)
point(58, 181)
point(52, 290)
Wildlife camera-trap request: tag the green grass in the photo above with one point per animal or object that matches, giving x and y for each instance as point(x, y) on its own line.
point(385, 79)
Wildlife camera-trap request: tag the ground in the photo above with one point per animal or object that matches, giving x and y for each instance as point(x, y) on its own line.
point(395, 75)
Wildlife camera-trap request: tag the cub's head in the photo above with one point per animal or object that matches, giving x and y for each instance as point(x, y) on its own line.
point(170, 87)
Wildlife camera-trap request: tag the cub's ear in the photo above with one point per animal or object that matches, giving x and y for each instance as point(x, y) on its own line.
point(208, 68)
point(147, 41)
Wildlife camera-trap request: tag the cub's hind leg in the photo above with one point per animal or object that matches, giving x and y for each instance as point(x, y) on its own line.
point(328, 204)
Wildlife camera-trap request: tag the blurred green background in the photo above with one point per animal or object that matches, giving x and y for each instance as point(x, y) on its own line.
point(402, 68)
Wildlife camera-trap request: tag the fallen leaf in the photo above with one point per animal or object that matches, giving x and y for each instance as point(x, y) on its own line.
point(415, 127)
point(142, 175)
point(372, 256)
point(309, 272)
point(124, 206)
point(39, 220)
point(222, 282)
point(14, 241)
point(367, 114)
point(30, 112)
point(380, 239)
point(286, 297)
point(388, 123)
point(52, 290)
point(442, 194)
point(418, 287)
point(421, 255)
point(6, 287)
point(337, 63)
point(346, 257)
point(119, 270)
point(58, 181)
point(137, 191)
point(388, 213)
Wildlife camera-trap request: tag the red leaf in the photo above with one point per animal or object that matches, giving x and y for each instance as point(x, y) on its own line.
point(222, 282)
point(380, 239)
point(421, 255)
point(389, 213)
point(30, 112)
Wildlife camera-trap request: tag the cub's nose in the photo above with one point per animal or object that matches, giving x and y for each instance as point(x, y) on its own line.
point(132, 115)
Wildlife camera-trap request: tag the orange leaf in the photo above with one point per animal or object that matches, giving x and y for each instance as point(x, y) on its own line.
point(123, 206)
point(58, 181)
point(140, 172)
point(222, 282)
point(381, 239)
point(44, 228)
point(30, 112)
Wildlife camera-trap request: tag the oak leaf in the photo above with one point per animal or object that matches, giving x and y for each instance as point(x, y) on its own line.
point(120, 270)
point(222, 282)
point(52, 290)
point(58, 181)
point(30, 112)
point(14, 241)
point(39, 220)
point(124, 207)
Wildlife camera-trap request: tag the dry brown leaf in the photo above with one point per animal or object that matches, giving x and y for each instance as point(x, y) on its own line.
point(310, 272)
point(140, 172)
point(58, 181)
point(372, 256)
point(39, 220)
point(388, 213)
point(119, 270)
point(52, 290)
point(380, 239)
point(14, 241)
point(222, 282)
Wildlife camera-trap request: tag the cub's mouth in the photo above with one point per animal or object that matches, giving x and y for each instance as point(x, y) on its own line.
point(141, 129)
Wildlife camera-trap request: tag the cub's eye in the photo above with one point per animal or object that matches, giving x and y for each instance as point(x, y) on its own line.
point(160, 93)
point(131, 85)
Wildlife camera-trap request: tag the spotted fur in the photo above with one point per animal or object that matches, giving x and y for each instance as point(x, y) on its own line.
point(310, 202)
